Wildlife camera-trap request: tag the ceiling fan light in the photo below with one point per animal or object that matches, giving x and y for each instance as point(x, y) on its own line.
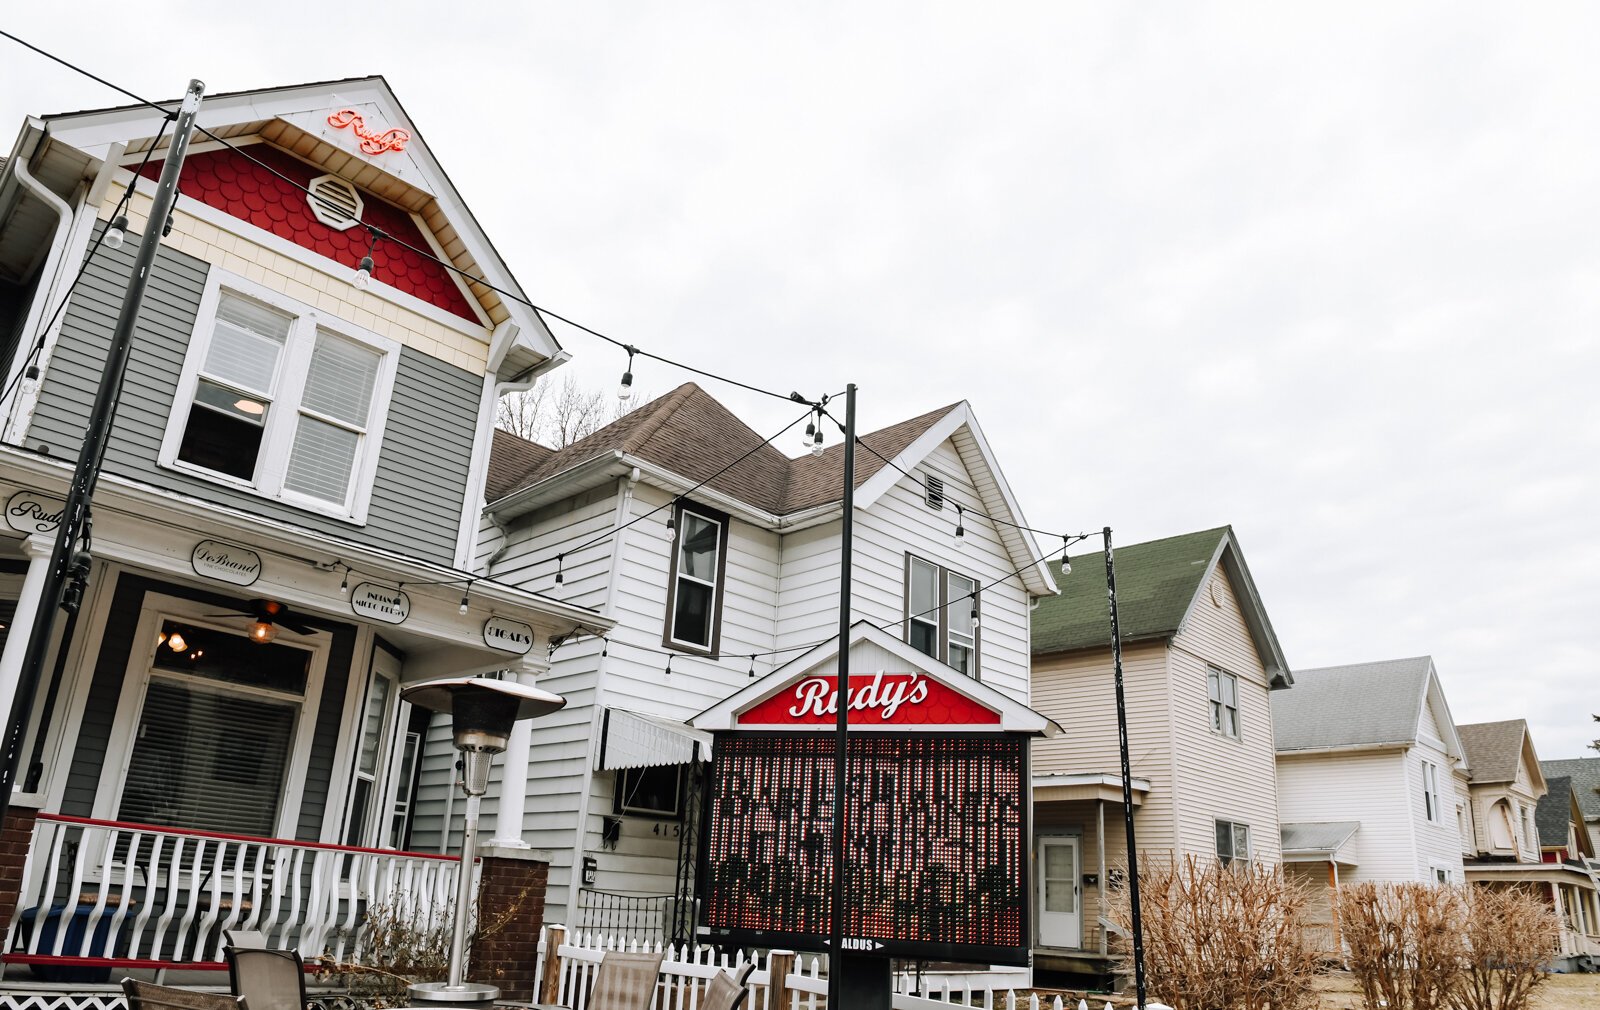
point(263, 631)
point(176, 643)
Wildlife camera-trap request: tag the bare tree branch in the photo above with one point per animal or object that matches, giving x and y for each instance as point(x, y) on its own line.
point(557, 415)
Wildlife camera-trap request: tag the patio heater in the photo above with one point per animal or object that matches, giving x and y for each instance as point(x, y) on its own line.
point(482, 712)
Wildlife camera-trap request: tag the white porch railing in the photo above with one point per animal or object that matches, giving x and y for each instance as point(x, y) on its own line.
point(103, 893)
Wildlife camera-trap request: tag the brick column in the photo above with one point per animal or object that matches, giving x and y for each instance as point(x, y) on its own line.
point(505, 947)
point(14, 838)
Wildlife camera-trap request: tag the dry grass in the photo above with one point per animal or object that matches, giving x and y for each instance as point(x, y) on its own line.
point(1341, 991)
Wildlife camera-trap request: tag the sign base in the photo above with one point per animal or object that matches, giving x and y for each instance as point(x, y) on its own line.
point(865, 982)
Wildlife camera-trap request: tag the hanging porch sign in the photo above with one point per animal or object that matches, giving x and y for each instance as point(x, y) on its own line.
point(876, 700)
point(32, 512)
point(229, 563)
point(380, 603)
point(507, 635)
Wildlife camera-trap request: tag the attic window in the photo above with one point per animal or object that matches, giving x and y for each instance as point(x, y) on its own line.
point(935, 488)
point(334, 202)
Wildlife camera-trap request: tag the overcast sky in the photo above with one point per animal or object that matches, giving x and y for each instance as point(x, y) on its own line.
point(1332, 276)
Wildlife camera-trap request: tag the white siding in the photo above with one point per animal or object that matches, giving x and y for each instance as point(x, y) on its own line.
point(1438, 844)
point(1220, 778)
point(1367, 786)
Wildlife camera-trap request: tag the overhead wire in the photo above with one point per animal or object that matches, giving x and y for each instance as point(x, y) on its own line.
point(426, 254)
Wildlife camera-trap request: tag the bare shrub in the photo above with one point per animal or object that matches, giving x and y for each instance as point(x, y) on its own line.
point(396, 950)
point(1222, 937)
point(1511, 935)
point(1405, 942)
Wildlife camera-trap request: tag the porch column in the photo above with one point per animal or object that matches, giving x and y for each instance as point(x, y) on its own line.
point(38, 549)
point(513, 800)
point(1100, 879)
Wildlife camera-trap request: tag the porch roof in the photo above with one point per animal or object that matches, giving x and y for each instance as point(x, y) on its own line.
point(1106, 786)
point(1317, 839)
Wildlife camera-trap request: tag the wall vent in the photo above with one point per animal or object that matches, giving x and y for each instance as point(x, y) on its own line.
point(935, 489)
point(335, 202)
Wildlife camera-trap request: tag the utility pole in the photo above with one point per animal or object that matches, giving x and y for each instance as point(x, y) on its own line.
point(68, 575)
point(854, 981)
point(1127, 775)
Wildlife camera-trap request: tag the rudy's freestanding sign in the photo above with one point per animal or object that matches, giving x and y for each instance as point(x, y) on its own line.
point(936, 809)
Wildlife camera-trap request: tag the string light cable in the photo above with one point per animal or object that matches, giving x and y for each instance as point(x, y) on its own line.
point(378, 234)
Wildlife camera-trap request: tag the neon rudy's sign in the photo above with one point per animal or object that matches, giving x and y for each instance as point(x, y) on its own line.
point(882, 699)
point(393, 139)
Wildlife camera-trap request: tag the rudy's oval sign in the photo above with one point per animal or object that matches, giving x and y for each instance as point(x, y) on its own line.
point(226, 562)
point(391, 606)
point(507, 635)
point(875, 699)
point(31, 512)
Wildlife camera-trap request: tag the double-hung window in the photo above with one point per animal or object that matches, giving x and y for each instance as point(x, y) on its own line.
point(694, 594)
point(1430, 791)
point(1233, 842)
point(283, 400)
point(942, 614)
point(1223, 689)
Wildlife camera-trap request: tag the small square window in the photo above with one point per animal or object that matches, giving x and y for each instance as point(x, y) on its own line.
point(1233, 842)
point(650, 792)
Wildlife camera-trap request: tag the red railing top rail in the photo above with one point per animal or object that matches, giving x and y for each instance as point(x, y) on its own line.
point(94, 822)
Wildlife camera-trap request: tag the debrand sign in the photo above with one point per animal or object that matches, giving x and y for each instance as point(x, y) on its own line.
point(226, 562)
point(507, 635)
point(391, 606)
point(31, 512)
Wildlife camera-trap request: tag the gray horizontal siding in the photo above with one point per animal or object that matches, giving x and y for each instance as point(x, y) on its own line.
point(427, 446)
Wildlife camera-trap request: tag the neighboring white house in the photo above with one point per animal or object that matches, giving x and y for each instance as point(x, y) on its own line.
point(712, 587)
point(1371, 776)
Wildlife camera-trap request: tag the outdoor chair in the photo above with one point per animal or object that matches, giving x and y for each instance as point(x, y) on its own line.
point(725, 991)
point(267, 979)
point(149, 996)
point(625, 981)
point(244, 938)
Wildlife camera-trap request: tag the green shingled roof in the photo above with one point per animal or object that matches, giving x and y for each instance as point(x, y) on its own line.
point(1156, 581)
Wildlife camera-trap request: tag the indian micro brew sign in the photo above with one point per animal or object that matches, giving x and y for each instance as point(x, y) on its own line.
point(936, 813)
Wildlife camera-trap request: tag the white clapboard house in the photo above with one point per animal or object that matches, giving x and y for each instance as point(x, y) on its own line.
point(745, 569)
point(281, 536)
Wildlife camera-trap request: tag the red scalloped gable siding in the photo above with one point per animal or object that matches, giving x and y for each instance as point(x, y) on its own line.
point(235, 185)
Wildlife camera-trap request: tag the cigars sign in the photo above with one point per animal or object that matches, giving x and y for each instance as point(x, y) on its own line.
point(875, 699)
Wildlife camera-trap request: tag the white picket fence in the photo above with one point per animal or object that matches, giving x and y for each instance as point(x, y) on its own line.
point(800, 982)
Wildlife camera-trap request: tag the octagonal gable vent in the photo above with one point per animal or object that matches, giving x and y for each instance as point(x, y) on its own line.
point(334, 202)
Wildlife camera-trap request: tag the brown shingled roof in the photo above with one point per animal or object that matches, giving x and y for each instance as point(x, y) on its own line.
point(510, 457)
point(1494, 749)
point(690, 433)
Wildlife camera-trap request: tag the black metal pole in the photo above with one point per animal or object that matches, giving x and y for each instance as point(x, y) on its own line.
point(1127, 773)
point(66, 560)
point(842, 717)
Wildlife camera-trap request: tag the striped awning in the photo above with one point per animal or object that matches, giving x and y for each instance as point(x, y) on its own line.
point(634, 740)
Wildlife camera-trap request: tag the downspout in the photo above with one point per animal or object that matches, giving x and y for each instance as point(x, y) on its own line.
point(625, 486)
point(42, 307)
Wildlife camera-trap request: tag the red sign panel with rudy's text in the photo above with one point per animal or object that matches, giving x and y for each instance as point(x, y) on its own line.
point(877, 700)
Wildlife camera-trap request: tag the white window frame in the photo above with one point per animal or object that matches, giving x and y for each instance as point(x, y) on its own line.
point(719, 568)
point(1216, 707)
point(1234, 828)
point(1440, 875)
point(375, 818)
point(939, 618)
point(141, 661)
point(285, 411)
point(1430, 792)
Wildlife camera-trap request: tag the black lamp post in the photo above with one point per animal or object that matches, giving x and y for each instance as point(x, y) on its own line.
point(482, 713)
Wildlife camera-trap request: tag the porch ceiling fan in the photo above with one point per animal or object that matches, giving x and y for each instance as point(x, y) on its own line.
point(270, 615)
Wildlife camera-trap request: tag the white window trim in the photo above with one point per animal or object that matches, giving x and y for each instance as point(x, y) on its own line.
point(1233, 834)
point(1216, 724)
point(278, 439)
point(939, 618)
point(379, 799)
point(718, 567)
point(1430, 792)
point(141, 658)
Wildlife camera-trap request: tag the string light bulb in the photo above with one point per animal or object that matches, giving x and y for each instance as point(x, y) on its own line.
point(669, 666)
point(363, 278)
point(961, 529)
point(811, 433)
point(625, 387)
point(560, 561)
point(672, 521)
point(605, 646)
point(117, 233)
point(465, 593)
point(1066, 562)
point(975, 619)
point(752, 666)
point(344, 583)
point(816, 442)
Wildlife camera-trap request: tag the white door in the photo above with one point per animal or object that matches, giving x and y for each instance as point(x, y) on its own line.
point(1060, 893)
